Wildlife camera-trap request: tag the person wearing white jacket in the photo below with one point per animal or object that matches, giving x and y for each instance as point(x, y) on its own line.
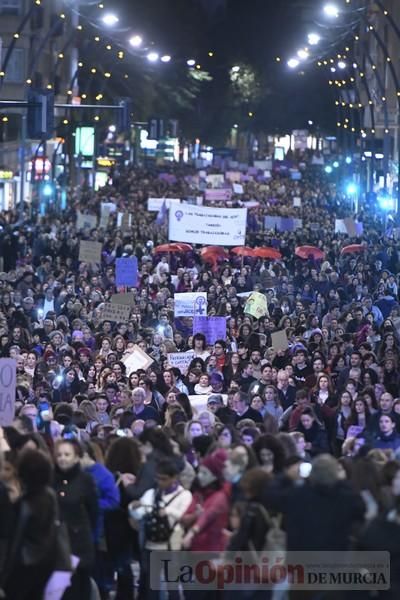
point(160, 510)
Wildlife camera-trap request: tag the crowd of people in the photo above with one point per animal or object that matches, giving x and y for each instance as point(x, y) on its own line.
point(109, 464)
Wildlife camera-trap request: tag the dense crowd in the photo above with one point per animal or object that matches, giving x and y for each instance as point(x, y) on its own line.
point(113, 464)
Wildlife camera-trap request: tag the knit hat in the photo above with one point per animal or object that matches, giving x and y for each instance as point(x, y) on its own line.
point(215, 462)
point(77, 334)
point(85, 351)
point(216, 378)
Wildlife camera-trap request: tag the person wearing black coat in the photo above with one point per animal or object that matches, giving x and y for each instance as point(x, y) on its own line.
point(31, 551)
point(315, 436)
point(77, 498)
point(321, 514)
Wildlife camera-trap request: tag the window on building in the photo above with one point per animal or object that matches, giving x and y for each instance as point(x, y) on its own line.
point(15, 70)
point(10, 7)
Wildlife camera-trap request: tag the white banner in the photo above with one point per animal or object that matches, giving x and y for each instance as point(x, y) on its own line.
point(155, 204)
point(190, 304)
point(208, 226)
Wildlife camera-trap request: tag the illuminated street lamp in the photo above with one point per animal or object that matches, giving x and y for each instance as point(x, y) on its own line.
point(303, 53)
point(110, 19)
point(293, 63)
point(313, 39)
point(191, 62)
point(136, 41)
point(166, 58)
point(331, 11)
point(153, 57)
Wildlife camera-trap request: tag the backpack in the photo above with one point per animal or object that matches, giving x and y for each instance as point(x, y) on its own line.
point(157, 528)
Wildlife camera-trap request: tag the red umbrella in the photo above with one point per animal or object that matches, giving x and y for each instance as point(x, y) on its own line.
point(271, 253)
point(243, 251)
point(174, 247)
point(353, 249)
point(309, 252)
point(213, 251)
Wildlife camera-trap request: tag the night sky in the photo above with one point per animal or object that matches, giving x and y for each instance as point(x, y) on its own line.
point(251, 32)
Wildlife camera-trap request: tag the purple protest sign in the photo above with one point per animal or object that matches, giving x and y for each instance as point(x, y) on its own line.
point(214, 328)
point(126, 271)
point(218, 194)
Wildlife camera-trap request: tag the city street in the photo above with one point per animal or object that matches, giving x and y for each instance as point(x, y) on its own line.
point(199, 300)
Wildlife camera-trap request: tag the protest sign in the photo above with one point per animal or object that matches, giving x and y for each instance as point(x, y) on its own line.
point(137, 359)
point(263, 165)
point(189, 304)
point(216, 181)
point(233, 176)
point(218, 195)
point(297, 202)
point(85, 221)
point(256, 305)
point(283, 223)
point(208, 226)
point(279, 340)
point(106, 209)
point(127, 299)
point(237, 188)
point(115, 312)
point(350, 225)
point(124, 221)
point(90, 252)
point(213, 328)
point(8, 377)
point(126, 271)
point(155, 204)
point(340, 226)
point(180, 360)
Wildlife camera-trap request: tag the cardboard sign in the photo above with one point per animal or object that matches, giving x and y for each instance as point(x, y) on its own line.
point(123, 299)
point(189, 304)
point(256, 305)
point(180, 360)
point(136, 360)
point(8, 378)
point(279, 340)
point(86, 221)
point(90, 252)
point(115, 312)
point(214, 328)
point(126, 271)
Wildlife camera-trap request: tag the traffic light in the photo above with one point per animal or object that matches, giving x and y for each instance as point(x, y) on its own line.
point(40, 114)
point(124, 115)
